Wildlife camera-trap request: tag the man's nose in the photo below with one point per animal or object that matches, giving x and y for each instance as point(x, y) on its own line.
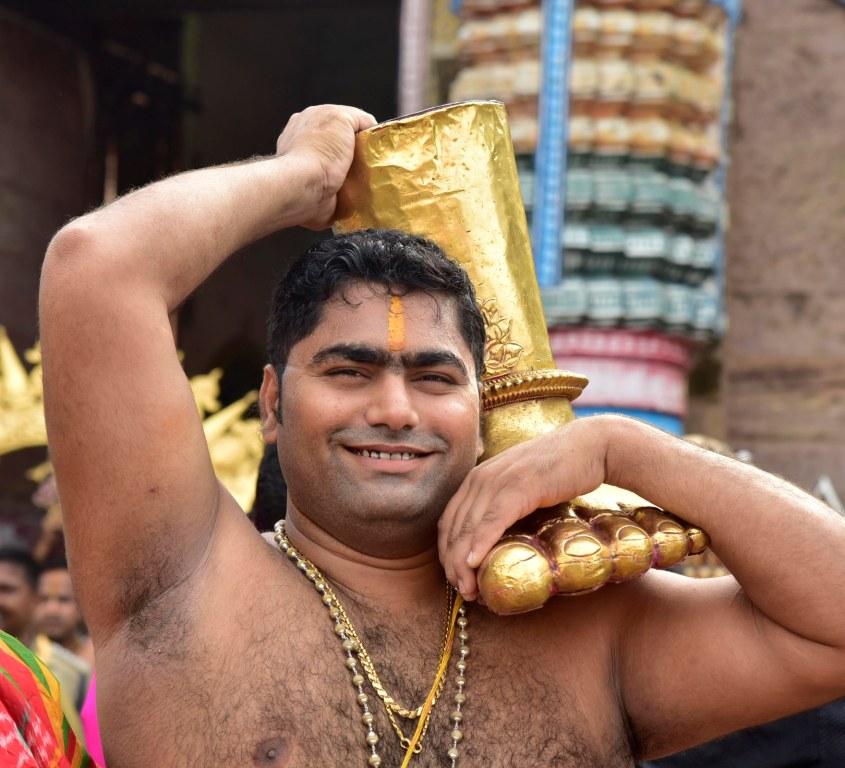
point(392, 404)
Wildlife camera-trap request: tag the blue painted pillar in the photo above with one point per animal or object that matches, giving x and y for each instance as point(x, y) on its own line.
point(733, 9)
point(550, 158)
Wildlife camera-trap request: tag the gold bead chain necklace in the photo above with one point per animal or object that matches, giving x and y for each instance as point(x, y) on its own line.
point(356, 653)
point(389, 702)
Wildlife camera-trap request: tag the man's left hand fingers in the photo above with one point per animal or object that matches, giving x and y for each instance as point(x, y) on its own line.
point(478, 523)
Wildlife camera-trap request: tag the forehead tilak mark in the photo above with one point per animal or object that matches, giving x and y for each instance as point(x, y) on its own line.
point(396, 325)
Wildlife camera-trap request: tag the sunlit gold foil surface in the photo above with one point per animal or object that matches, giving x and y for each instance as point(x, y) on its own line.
point(575, 549)
point(668, 535)
point(630, 547)
point(449, 174)
point(699, 540)
point(515, 423)
point(581, 559)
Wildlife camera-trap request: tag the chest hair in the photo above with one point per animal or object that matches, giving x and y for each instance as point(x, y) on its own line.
point(277, 693)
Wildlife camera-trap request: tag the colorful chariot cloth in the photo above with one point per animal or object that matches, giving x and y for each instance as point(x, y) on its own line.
point(34, 733)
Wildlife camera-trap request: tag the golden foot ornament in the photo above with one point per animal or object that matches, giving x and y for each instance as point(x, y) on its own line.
point(604, 537)
point(449, 174)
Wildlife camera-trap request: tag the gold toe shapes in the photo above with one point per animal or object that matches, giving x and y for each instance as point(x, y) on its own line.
point(578, 548)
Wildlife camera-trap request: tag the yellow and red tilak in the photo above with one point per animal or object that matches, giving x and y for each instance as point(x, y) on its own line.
point(396, 325)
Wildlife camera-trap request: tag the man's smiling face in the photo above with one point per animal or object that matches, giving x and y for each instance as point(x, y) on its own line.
point(380, 419)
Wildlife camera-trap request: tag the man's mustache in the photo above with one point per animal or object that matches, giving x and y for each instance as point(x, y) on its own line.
point(418, 441)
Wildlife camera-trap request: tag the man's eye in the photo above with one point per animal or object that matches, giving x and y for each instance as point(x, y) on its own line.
point(437, 378)
point(342, 372)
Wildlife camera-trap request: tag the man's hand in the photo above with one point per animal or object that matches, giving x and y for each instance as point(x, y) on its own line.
point(497, 493)
point(324, 138)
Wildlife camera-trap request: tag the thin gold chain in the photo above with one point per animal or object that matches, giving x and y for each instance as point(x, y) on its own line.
point(392, 708)
point(366, 662)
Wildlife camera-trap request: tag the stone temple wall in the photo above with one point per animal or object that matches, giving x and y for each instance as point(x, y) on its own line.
point(46, 135)
point(783, 360)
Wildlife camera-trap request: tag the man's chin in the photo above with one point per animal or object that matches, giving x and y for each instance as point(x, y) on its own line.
point(393, 518)
point(399, 510)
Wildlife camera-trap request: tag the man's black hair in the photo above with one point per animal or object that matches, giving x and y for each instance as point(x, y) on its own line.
point(401, 262)
point(271, 492)
point(20, 557)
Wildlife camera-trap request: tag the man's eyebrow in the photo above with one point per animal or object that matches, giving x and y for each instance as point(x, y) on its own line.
point(434, 357)
point(355, 353)
point(362, 353)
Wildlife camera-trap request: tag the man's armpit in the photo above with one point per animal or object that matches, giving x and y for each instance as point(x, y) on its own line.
point(159, 616)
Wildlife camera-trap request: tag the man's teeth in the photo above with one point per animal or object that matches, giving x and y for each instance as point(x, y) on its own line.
point(385, 455)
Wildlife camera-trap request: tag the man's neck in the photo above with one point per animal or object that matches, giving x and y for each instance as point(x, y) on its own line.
point(390, 583)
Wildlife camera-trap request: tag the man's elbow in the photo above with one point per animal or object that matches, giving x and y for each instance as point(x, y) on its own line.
point(818, 668)
point(74, 244)
point(831, 674)
point(74, 259)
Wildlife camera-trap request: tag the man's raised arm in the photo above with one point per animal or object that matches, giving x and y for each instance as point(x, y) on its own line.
point(139, 496)
point(693, 659)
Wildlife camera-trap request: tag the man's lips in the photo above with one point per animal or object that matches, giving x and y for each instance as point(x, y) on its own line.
point(394, 452)
point(397, 453)
point(388, 459)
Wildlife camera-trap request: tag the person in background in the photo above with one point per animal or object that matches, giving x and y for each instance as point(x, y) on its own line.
point(18, 601)
point(91, 724)
point(57, 614)
point(18, 584)
point(34, 727)
point(50, 544)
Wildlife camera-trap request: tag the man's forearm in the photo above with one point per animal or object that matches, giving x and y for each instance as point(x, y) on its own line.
point(783, 546)
point(169, 236)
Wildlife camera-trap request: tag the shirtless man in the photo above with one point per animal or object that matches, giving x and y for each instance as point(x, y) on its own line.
point(197, 669)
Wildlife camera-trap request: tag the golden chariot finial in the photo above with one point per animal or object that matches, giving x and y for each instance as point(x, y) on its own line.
point(234, 438)
point(21, 399)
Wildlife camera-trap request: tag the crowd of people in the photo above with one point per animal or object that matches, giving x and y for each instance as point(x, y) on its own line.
point(38, 609)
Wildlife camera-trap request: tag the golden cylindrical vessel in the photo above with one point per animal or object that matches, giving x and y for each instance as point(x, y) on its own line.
point(449, 174)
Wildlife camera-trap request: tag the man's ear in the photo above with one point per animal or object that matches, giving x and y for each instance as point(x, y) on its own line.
point(269, 405)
